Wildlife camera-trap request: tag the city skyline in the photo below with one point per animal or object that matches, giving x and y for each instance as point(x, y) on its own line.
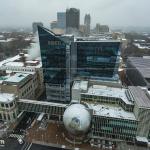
point(107, 12)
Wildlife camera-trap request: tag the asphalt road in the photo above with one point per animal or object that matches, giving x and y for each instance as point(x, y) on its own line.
point(41, 147)
point(11, 144)
point(25, 123)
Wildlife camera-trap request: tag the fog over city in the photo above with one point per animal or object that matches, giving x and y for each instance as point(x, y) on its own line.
point(111, 12)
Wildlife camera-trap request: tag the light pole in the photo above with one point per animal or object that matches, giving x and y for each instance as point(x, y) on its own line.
point(74, 142)
point(56, 138)
point(42, 138)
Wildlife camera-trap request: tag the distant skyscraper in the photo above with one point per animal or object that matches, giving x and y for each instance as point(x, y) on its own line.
point(101, 28)
point(87, 23)
point(34, 26)
point(97, 29)
point(61, 20)
point(73, 18)
point(104, 28)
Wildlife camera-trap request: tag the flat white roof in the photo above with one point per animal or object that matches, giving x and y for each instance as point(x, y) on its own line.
point(6, 98)
point(80, 85)
point(13, 63)
point(111, 111)
point(141, 139)
point(27, 72)
point(7, 40)
point(20, 64)
point(18, 77)
point(100, 90)
point(98, 41)
point(42, 102)
point(3, 63)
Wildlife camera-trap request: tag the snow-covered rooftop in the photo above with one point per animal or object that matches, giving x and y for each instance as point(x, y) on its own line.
point(20, 64)
point(81, 85)
point(14, 62)
point(111, 111)
point(16, 78)
point(7, 40)
point(100, 90)
point(6, 98)
point(141, 139)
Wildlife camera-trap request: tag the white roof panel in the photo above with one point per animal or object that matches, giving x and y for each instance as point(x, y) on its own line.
point(6, 98)
point(111, 111)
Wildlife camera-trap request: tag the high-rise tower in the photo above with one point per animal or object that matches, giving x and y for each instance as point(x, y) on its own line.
point(61, 20)
point(72, 18)
point(87, 23)
point(55, 64)
point(34, 26)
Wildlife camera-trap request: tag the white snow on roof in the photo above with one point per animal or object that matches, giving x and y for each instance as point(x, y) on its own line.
point(15, 64)
point(81, 85)
point(6, 98)
point(111, 111)
point(142, 139)
point(18, 77)
point(11, 62)
point(8, 40)
point(100, 90)
point(42, 102)
point(3, 63)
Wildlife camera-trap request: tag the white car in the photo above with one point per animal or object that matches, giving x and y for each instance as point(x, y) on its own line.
point(20, 141)
point(2, 142)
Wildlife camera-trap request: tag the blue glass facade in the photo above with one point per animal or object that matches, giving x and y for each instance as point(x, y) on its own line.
point(96, 58)
point(53, 54)
point(92, 59)
point(61, 20)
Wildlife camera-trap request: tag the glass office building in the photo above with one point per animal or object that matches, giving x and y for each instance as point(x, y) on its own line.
point(54, 57)
point(95, 59)
point(61, 20)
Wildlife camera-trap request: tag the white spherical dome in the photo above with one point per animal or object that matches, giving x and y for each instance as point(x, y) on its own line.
point(77, 119)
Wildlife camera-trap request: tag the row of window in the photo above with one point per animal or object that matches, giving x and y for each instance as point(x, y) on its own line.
point(17, 68)
point(7, 116)
point(26, 91)
point(115, 136)
point(42, 108)
point(115, 121)
point(109, 100)
point(10, 105)
point(114, 125)
point(125, 132)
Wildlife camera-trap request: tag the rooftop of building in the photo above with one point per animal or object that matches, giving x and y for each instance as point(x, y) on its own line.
point(72, 9)
point(112, 111)
point(140, 96)
point(96, 39)
point(142, 64)
point(16, 78)
point(42, 103)
point(16, 61)
point(80, 85)
point(7, 40)
point(100, 90)
point(6, 98)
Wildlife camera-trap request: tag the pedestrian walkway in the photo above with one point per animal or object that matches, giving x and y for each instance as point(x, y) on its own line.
point(16, 136)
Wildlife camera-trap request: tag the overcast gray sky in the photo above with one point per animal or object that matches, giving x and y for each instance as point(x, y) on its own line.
point(111, 12)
